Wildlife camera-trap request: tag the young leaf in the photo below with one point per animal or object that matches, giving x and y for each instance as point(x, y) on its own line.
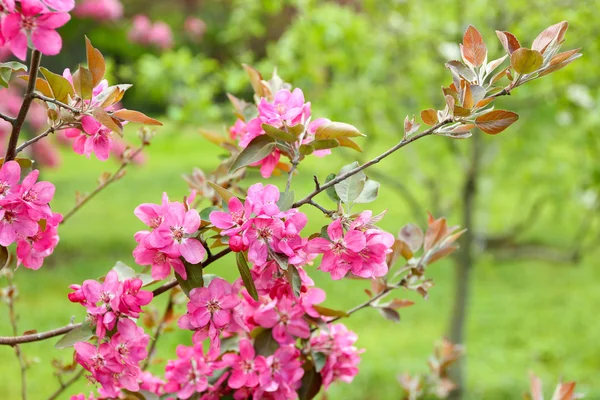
point(205, 213)
point(277, 133)
point(554, 32)
point(496, 121)
point(319, 359)
point(14, 66)
point(264, 344)
point(246, 276)
point(286, 199)
point(5, 74)
point(331, 190)
point(136, 116)
point(111, 95)
point(389, 314)
point(255, 80)
point(347, 142)
point(194, 278)
point(412, 235)
point(328, 312)
point(4, 257)
point(473, 48)
point(106, 120)
point(334, 130)
point(80, 334)
point(221, 191)
point(96, 63)
point(461, 70)
point(508, 41)
point(294, 279)
point(350, 188)
point(83, 83)
point(324, 144)
point(369, 193)
point(311, 383)
point(40, 85)
point(525, 61)
point(61, 88)
point(259, 148)
point(429, 116)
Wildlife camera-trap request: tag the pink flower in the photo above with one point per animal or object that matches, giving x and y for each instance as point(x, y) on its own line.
point(107, 294)
point(281, 373)
point(173, 230)
point(232, 222)
point(161, 260)
point(238, 129)
point(195, 28)
point(244, 373)
point(95, 138)
point(129, 343)
point(101, 10)
point(151, 383)
point(287, 108)
point(132, 298)
point(263, 199)
point(340, 253)
point(140, 31)
point(32, 251)
point(310, 135)
point(214, 307)
point(36, 23)
point(60, 5)
point(100, 361)
point(10, 174)
point(261, 236)
point(34, 196)
point(15, 222)
point(286, 317)
point(189, 373)
point(342, 356)
point(161, 36)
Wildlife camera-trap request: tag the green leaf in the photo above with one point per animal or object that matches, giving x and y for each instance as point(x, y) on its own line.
point(5, 74)
point(221, 191)
point(319, 359)
point(195, 279)
point(334, 130)
point(306, 149)
point(328, 312)
point(277, 133)
point(331, 190)
point(311, 383)
point(124, 271)
point(205, 213)
point(526, 61)
point(4, 257)
point(264, 344)
point(369, 193)
point(286, 199)
point(14, 66)
point(294, 279)
point(246, 275)
point(296, 130)
point(324, 144)
point(260, 147)
point(350, 188)
point(80, 334)
point(349, 143)
point(282, 261)
point(61, 88)
point(139, 395)
point(82, 82)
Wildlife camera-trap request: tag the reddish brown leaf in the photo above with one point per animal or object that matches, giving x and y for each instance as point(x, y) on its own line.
point(560, 57)
point(556, 31)
point(412, 235)
point(508, 41)
point(564, 391)
point(255, 80)
point(484, 102)
point(136, 116)
point(496, 121)
point(435, 232)
point(400, 303)
point(473, 48)
point(556, 67)
point(106, 120)
point(40, 85)
point(535, 385)
point(438, 255)
point(95, 61)
point(429, 116)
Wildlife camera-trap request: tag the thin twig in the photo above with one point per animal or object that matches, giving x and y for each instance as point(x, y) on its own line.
point(113, 178)
point(323, 209)
point(291, 175)
point(13, 322)
point(31, 141)
point(28, 97)
point(159, 330)
point(65, 385)
point(374, 161)
point(5, 117)
point(58, 103)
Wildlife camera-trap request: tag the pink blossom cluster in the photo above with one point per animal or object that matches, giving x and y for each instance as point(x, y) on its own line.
point(25, 215)
point(342, 357)
point(114, 363)
point(194, 28)
point(110, 301)
point(33, 21)
point(171, 236)
point(100, 10)
point(287, 110)
point(146, 33)
point(359, 248)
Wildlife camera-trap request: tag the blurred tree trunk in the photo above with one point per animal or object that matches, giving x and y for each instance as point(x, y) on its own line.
point(463, 266)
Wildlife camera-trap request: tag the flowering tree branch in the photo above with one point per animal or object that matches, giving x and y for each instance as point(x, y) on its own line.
point(17, 124)
point(65, 385)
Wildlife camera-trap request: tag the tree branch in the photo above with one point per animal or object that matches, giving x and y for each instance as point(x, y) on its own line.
point(8, 119)
point(31, 141)
point(13, 322)
point(64, 386)
point(374, 161)
point(159, 330)
point(36, 57)
point(58, 103)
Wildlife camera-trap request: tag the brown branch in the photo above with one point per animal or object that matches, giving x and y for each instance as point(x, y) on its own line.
point(36, 57)
point(159, 330)
point(13, 322)
point(65, 385)
point(368, 164)
point(8, 119)
point(58, 103)
point(113, 178)
point(35, 337)
point(31, 141)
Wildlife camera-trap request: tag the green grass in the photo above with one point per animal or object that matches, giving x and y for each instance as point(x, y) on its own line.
point(523, 315)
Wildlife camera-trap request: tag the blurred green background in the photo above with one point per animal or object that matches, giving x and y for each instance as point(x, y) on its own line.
point(535, 295)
